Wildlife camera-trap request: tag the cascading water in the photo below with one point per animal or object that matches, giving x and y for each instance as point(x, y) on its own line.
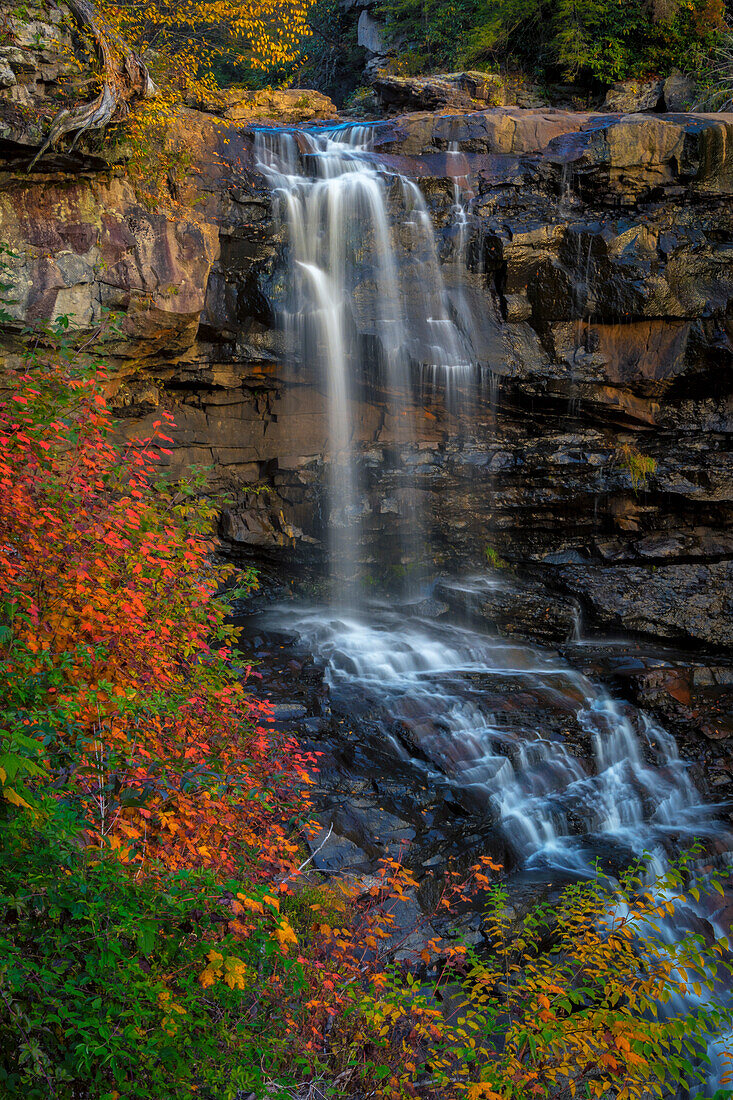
point(367, 297)
point(625, 790)
point(617, 793)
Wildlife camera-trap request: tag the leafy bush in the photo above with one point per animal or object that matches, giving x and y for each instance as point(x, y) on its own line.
point(430, 35)
point(151, 939)
point(156, 936)
point(603, 40)
point(131, 748)
point(494, 558)
point(592, 994)
point(639, 466)
point(100, 977)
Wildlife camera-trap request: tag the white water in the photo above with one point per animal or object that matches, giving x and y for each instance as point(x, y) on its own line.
point(366, 299)
point(554, 807)
point(364, 262)
point(623, 796)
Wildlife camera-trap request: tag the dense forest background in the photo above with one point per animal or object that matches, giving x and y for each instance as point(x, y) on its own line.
point(591, 44)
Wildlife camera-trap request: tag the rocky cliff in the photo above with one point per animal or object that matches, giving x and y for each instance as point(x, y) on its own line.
point(600, 269)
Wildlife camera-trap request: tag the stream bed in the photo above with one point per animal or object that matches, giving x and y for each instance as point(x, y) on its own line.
point(474, 744)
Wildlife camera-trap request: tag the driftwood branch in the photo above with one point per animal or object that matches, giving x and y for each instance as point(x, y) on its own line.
point(126, 78)
point(310, 858)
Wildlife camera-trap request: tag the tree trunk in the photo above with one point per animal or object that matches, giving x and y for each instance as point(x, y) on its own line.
point(126, 78)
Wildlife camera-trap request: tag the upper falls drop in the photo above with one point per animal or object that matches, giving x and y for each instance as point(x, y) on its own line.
point(366, 300)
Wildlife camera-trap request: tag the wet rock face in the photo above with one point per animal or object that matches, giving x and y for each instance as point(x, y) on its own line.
point(600, 277)
point(517, 608)
point(677, 602)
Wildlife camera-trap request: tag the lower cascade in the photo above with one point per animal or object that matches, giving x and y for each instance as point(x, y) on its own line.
point(593, 780)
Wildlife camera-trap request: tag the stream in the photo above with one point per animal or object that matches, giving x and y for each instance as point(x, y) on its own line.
point(438, 736)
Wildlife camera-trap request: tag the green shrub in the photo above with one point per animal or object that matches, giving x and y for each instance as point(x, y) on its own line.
point(494, 558)
point(598, 40)
point(99, 977)
point(333, 61)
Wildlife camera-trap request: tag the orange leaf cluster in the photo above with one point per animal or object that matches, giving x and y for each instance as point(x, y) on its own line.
point(111, 592)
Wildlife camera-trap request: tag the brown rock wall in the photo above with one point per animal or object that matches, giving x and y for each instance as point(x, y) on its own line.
point(601, 278)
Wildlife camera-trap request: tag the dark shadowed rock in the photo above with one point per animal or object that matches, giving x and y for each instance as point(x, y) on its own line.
point(681, 601)
point(512, 606)
point(334, 854)
point(680, 92)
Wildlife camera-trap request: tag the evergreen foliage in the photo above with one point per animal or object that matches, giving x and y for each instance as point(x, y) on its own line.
point(592, 40)
point(332, 60)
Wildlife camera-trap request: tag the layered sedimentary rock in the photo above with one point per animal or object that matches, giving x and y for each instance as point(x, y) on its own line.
point(599, 281)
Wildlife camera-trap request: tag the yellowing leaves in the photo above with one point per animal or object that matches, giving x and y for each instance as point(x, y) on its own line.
point(208, 976)
point(171, 1012)
point(482, 1089)
point(285, 936)
point(16, 799)
point(233, 971)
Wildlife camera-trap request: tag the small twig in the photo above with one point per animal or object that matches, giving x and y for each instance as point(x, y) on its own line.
point(310, 858)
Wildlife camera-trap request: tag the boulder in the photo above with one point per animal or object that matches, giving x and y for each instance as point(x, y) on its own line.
point(285, 712)
point(467, 91)
point(290, 105)
point(7, 76)
point(680, 92)
point(334, 854)
point(686, 691)
point(634, 157)
point(373, 829)
point(628, 97)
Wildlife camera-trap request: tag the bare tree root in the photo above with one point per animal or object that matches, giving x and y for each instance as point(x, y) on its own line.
point(126, 78)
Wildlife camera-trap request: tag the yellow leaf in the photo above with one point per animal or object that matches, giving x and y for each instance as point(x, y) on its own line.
point(249, 903)
point(284, 936)
point(15, 798)
point(3, 776)
point(207, 977)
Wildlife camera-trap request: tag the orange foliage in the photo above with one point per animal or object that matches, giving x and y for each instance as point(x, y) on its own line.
point(111, 589)
point(190, 33)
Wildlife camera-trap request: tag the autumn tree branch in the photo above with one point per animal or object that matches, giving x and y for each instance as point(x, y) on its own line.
point(126, 78)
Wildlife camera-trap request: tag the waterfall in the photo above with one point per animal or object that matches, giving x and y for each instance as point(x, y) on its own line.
point(366, 298)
